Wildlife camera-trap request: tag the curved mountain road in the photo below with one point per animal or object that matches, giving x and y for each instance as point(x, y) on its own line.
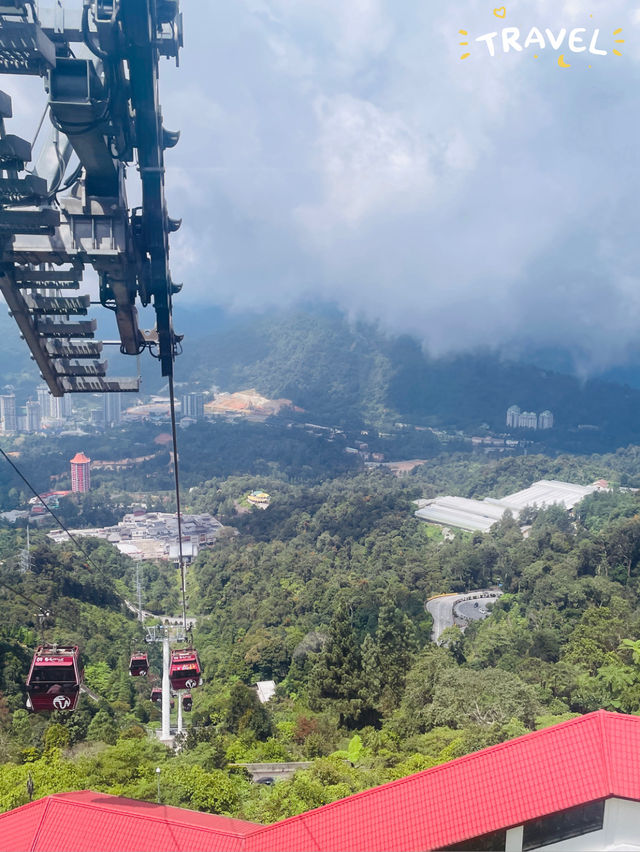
point(447, 610)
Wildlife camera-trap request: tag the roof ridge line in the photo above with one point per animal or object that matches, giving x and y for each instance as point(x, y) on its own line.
point(397, 782)
point(36, 835)
point(103, 808)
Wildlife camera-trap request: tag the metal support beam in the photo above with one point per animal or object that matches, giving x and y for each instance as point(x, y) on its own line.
point(21, 314)
point(166, 688)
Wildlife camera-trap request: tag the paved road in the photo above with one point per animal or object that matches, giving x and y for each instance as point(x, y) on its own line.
point(441, 610)
point(473, 610)
point(447, 610)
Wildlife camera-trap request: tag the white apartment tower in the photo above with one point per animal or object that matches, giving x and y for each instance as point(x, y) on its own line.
point(528, 420)
point(8, 417)
point(112, 409)
point(545, 420)
point(513, 413)
point(60, 407)
point(33, 416)
point(44, 398)
point(193, 405)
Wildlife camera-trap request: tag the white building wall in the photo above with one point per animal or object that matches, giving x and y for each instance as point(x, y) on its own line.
point(513, 413)
point(528, 420)
point(545, 420)
point(620, 832)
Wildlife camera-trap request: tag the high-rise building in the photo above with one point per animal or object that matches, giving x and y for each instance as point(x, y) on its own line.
point(44, 398)
point(80, 473)
point(528, 420)
point(8, 416)
point(55, 408)
point(112, 409)
point(193, 405)
point(33, 416)
point(545, 420)
point(67, 405)
point(513, 413)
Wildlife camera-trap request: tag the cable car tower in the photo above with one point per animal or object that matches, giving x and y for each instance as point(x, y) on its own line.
point(181, 671)
point(99, 63)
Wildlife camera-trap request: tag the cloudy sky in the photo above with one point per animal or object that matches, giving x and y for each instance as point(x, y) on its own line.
point(341, 149)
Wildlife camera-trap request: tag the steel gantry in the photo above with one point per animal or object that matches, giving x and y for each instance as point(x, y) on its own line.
point(68, 210)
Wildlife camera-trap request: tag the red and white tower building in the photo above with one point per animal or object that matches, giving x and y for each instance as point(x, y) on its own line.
point(80, 473)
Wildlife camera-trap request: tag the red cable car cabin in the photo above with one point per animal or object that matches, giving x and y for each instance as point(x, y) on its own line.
point(138, 665)
point(187, 702)
point(156, 697)
point(54, 678)
point(185, 671)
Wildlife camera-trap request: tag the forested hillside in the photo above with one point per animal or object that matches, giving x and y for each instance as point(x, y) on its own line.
point(324, 592)
point(345, 373)
point(351, 374)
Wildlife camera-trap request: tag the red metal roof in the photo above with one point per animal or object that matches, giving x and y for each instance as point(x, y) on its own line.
point(97, 822)
point(569, 764)
point(591, 757)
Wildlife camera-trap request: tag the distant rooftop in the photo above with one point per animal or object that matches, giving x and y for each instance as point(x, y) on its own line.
point(80, 458)
point(266, 689)
point(481, 515)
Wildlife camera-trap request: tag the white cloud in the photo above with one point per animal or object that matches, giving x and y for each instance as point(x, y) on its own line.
point(368, 160)
point(344, 149)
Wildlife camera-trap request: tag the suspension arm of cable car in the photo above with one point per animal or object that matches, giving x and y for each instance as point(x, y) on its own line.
point(100, 68)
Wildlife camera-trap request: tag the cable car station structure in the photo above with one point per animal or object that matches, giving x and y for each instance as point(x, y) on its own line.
point(99, 63)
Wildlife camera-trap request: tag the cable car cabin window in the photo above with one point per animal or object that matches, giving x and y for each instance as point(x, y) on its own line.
point(44, 677)
point(53, 674)
point(562, 825)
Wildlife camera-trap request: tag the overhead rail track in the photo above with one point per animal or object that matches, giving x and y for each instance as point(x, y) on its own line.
point(99, 64)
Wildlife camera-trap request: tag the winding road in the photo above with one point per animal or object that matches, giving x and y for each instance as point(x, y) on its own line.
point(447, 610)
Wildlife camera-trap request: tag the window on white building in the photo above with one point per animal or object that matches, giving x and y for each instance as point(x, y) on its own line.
point(574, 822)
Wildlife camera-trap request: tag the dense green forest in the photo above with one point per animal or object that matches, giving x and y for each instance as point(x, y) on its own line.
point(209, 449)
point(324, 592)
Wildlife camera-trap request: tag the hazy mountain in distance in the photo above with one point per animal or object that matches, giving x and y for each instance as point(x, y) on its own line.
point(352, 373)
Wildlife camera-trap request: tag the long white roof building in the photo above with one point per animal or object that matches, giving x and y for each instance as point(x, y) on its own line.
point(481, 515)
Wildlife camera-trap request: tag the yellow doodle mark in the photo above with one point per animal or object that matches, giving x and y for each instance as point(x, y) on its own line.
point(500, 12)
point(464, 33)
point(562, 63)
point(616, 52)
